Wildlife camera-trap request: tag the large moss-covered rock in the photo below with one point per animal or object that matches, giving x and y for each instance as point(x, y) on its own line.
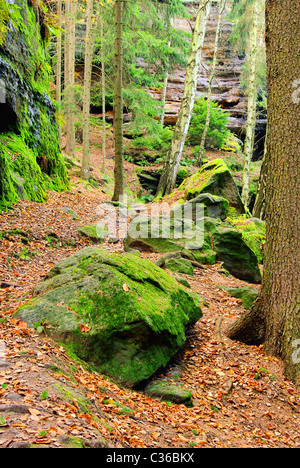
point(124, 314)
point(219, 242)
point(30, 156)
point(214, 178)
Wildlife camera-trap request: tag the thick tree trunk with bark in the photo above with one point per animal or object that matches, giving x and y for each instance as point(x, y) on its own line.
point(118, 103)
point(275, 317)
point(168, 177)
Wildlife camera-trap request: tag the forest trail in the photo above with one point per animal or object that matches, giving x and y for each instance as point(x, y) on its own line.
point(241, 397)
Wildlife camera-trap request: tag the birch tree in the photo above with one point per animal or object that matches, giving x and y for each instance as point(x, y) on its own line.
point(252, 102)
point(211, 78)
point(168, 177)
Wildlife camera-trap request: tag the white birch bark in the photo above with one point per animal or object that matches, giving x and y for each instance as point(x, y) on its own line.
point(211, 79)
point(168, 178)
point(252, 104)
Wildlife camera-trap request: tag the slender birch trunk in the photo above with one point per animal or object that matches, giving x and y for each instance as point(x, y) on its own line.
point(163, 99)
point(211, 78)
point(85, 170)
point(168, 177)
point(118, 104)
point(252, 104)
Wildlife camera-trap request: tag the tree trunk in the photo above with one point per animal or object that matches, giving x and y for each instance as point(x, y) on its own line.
point(211, 78)
point(118, 103)
point(85, 170)
point(259, 210)
point(277, 311)
point(70, 76)
point(103, 95)
point(168, 177)
point(252, 103)
point(58, 63)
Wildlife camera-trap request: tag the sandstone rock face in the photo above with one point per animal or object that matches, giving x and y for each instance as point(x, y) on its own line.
point(227, 89)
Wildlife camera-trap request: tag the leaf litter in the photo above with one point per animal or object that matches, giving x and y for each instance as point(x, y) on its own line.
point(47, 399)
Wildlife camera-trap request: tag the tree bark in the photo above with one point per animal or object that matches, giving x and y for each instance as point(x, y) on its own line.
point(211, 79)
point(58, 63)
point(168, 177)
point(103, 94)
point(118, 103)
point(70, 75)
point(85, 170)
point(259, 210)
point(278, 308)
point(252, 103)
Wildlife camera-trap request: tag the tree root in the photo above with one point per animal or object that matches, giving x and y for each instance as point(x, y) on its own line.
point(251, 327)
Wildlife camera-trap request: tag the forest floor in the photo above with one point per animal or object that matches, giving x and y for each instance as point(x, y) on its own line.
point(241, 398)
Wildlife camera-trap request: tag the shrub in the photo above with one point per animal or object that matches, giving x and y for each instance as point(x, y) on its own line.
point(217, 132)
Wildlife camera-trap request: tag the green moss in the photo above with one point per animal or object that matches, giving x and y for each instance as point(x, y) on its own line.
point(169, 392)
point(30, 156)
point(253, 232)
point(136, 313)
point(180, 265)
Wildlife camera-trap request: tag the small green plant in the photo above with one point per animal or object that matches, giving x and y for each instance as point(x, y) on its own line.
point(44, 395)
point(217, 132)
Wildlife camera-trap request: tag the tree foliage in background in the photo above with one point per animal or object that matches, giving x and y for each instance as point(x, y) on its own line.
point(217, 131)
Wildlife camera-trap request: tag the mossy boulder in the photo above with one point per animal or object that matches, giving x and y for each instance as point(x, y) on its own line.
point(214, 206)
point(253, 231)
point(220, 242)
point(167, 391)
point(120, 312)
point(95, 232)
point(232, 250)
point(30, 157)
point(215, 178)
point(180, 265)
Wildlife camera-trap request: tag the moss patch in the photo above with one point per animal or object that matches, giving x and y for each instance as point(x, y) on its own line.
point(122, 313)
point(30, 156)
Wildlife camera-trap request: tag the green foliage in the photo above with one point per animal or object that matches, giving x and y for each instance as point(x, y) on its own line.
point(217, 132)
point(159, 141)
point(148, 56)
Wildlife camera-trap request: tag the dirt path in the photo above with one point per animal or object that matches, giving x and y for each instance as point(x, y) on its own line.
point(240, 395)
